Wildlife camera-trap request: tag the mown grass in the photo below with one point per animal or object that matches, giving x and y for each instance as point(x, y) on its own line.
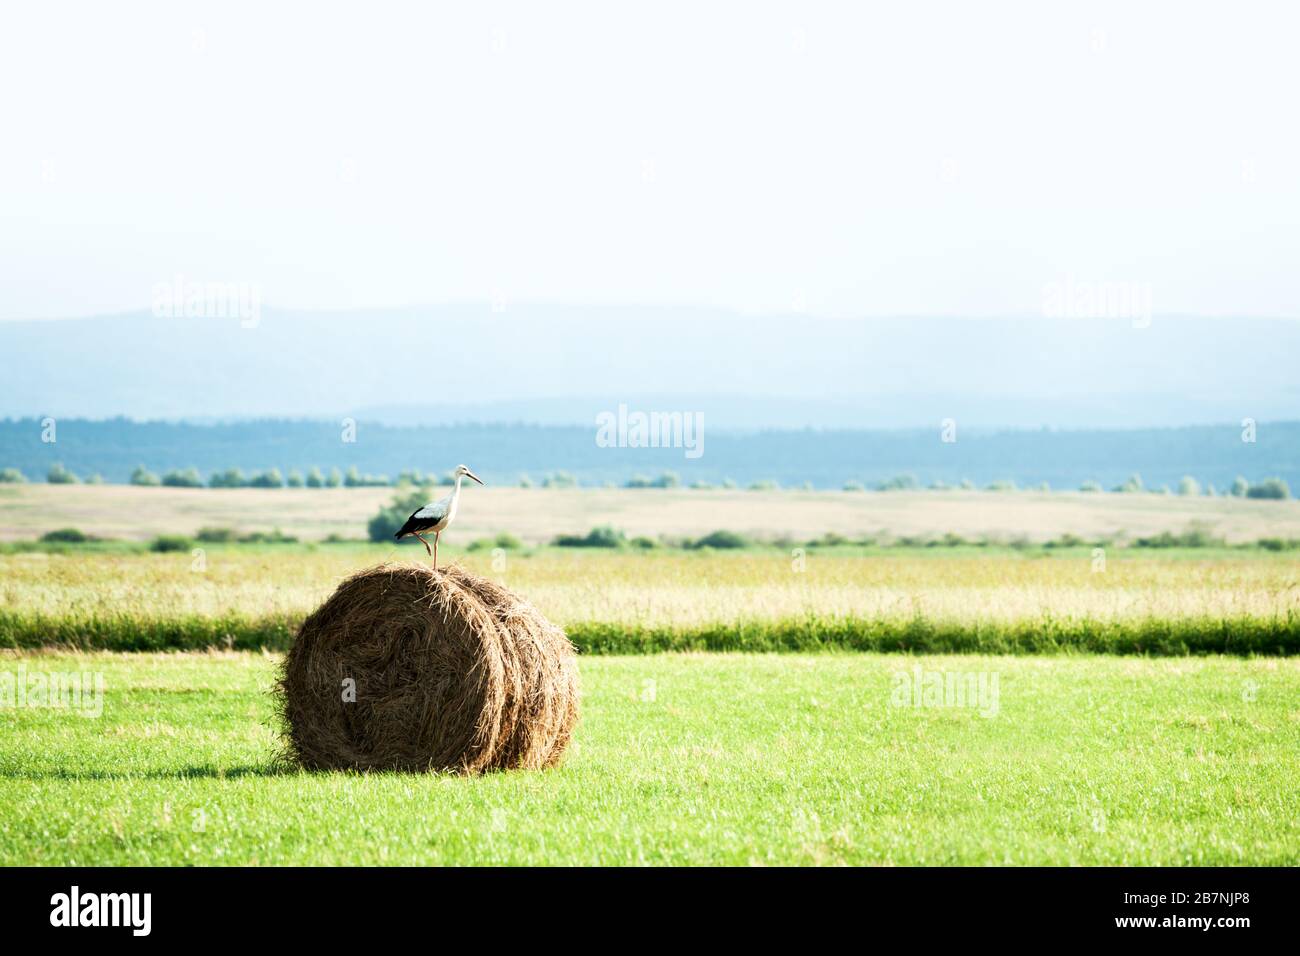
point(921, 600)
point(688, 759)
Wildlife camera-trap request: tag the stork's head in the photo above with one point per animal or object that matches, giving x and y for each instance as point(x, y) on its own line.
point(463, 471)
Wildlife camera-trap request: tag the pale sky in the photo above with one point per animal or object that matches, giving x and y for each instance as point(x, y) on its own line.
point(843, 159)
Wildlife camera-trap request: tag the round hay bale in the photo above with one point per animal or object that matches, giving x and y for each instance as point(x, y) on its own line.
point(450, 672)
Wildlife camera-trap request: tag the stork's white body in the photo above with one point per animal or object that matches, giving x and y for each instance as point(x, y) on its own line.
point(436, 515)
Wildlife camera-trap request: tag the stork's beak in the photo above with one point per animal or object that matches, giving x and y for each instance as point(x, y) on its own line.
point(470, 474)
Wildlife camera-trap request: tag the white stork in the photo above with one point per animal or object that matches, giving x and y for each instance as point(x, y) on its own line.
point(436, 515)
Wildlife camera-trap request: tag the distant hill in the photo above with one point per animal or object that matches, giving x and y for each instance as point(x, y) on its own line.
point(827, 458)
point(556, 365)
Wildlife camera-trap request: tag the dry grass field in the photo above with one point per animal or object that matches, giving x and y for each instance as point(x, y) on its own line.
point(537, 515)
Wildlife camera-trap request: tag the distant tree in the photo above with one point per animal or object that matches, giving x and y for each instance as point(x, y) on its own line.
point(143, 476)
point(295, 479)
point(669, 479)
point(94, 478)
point(1269, 488)
point(899, 483)
point(267, 479)
point(766, 484)
point(1044, 486)
point(728, 483)
point(699, 485)
point(352, 478)
point(1132, 486)
point(1239, 487)
point(559, 479)
point(230, 478)
point(1090, 486)
point(58, 475)
point(335, 479)
point(12, 476)
point(639, 481)
point(314, 478)
point(853, 485)
point(525, 481)
point(1211, 491)
point(967, 485)
point(1189, 486)
point(391, 517)
point(189, 478)
point(1002, 484)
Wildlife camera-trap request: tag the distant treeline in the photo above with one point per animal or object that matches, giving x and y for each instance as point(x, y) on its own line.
point(348, 452)
point(1274, 488)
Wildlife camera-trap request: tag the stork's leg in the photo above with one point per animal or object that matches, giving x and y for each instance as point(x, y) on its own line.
point(422, 541)
point(436, 536)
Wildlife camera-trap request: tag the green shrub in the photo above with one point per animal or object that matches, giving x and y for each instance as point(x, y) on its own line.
point(66, 536)
point(1278, 544)
point(767, 484)
point(1001, 484)
point(852, 485)
point(167, 543)
point(12, 476)
point(559, 479)
point(701, 485)
point(1196, 536)
point(216, 535)
point(1239, 487)
point(1188, 485)
point(1090, 486)
point(314, 478)
point(639, 481)
point(335, 479)
point(829, 540)
point(295, 479)
point(58, 475)
point(1272, 488)
point(274, 536)
point(644, 543)
point(504, 541)
point(602, 537)
point(721, 539)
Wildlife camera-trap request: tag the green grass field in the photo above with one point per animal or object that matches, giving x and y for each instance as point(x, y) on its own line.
point(768, 599)
point(1147, 707)
point(684, 758)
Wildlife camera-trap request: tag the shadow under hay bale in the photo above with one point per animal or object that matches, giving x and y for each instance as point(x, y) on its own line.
point(450, 671)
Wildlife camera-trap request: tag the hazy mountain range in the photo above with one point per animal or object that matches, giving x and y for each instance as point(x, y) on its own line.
point(561, 366)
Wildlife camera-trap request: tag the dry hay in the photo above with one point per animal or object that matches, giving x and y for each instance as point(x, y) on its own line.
point(452, 672)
